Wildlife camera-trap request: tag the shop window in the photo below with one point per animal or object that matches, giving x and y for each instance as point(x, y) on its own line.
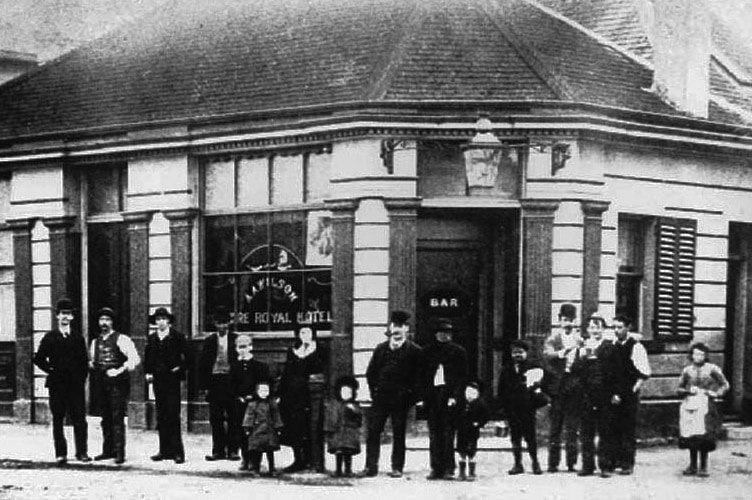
point(257, 182)
point(655, 277)
point(273, 270)
point(106, 189)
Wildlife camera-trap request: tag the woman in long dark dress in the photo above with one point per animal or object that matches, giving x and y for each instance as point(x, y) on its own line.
point(301, 394)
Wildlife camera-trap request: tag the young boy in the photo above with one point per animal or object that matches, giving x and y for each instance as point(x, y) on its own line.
point(342, 425)
point(471, 417)
point(520, 396)
point(245, 374)
point(262, 424)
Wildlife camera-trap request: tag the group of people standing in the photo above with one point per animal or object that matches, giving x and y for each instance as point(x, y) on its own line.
point(591, 383)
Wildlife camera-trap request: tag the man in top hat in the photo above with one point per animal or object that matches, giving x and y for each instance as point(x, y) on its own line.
point(165, 363)
point(217, 357)
point(393, 377)
point(113, 356)
point(444, 378)
point(560, 352)
point(62, 355)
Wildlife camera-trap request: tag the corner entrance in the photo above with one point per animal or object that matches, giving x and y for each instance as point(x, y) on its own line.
point(739, 321)
point(467, 273)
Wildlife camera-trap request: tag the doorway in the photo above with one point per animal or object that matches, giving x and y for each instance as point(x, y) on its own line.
point(467, 273)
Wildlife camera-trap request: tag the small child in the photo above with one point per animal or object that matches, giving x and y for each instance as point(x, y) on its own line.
point(699, 419)
point(342, 425)
point(262, 424)
point(472, 415)
point(520, 396)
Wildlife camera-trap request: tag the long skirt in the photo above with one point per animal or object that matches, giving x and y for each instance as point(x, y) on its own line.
point(700, 423)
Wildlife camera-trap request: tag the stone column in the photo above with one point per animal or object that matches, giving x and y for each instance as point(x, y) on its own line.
point(181, 251)
point(591, 256)
point(65, 260)
point(23, 405)
point(138, 267)
point(343, 230)
point(537, 246)
point(403, 237)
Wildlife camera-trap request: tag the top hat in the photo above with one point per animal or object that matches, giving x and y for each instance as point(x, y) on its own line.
point(347, 381)
point(106, 311)
point(568, 311)
point(221, 315)
point(399, 317)
point(161, 312)
point(64, 304)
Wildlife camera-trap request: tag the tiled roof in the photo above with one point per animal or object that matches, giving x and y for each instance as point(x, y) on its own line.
point(207, 58)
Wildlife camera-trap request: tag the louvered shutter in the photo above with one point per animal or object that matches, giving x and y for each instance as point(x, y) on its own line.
point(674, 280)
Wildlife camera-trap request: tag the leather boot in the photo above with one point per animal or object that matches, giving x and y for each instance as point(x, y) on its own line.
point(471, 471)
point(463, 467)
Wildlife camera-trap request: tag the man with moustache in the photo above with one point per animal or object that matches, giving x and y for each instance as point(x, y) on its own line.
point(63, 357)
point(393, 377)
point(113, 356)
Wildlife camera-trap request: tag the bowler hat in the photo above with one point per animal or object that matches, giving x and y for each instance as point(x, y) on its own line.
point(64, 304)
point(348, 381)
point(106, 311)
point(399, 318)
point(221, 315)
point(161, 312)
point(568, 311)
point(444, 325)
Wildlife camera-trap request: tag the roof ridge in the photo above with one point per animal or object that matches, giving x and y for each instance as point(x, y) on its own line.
point(555, 83)
point(388, 66)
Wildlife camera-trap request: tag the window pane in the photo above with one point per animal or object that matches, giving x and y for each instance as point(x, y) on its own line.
point(318, 174)
point(631, 245)
point(318, 300)
point(219, 290)
point(105, 186)
point(253, 242)
point(287, 180)
point(288, 240)
point(4, 198)
point(220, 244)
point(219, 182)
point(253, 182)
point(320, 243)
point(628, 298)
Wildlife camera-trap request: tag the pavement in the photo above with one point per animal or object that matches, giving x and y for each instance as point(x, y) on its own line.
point(27, 471)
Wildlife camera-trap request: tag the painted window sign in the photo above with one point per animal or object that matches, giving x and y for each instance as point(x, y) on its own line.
point(446, 303)
point(282, 275)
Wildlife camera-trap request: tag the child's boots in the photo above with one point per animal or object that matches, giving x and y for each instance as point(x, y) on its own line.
point(471, 471)
point(463, 469)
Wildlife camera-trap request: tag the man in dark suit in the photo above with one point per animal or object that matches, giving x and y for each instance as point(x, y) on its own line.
point(165, 361)
point(218, 355)
point(63, 356)
point(444, 377)
point(393, 379)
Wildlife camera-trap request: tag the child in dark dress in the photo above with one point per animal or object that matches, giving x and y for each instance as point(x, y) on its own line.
point(520, 396)
point(262, 424)
point(472, 415)
point(342, 425)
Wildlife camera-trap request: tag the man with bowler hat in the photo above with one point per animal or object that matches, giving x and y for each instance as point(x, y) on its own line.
point(165, 362)
point(444, 378)
point(217, 356)
point(393, 377)
point(113, 356)
point(63, 357)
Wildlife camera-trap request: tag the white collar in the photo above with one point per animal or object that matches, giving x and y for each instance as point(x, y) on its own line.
point(393, 344)
point(304, 350)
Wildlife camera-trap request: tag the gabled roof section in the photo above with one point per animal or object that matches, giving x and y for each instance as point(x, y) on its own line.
point(199, 59)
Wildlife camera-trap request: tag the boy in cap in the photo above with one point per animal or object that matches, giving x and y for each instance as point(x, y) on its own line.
point(472, 415)
point(113, 355)
point(444, 377)
point(520, 396)
point(62, 355)
point(165, 362)
point(559, 352)
point(393, 377)
point(342, 425)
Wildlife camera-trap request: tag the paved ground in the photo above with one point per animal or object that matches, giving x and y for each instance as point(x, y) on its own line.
point(26, 472)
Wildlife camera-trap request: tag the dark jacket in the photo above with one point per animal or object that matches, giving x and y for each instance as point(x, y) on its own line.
point(262, 423)
point(209, 356)
point(558, 382)
point(65, 360)
point(454, 359)
point(394, 375)
point(162, 357)
point(472, 415)
point(514, 397)
point(245, 374)
point(620, 370)
point(594, 376)
point(342, 426)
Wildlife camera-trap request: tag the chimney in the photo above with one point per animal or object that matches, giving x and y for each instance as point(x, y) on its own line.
point(681, 39)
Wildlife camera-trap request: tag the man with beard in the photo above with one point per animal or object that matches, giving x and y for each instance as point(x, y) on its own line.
point(393, 377)
point(113, 355)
